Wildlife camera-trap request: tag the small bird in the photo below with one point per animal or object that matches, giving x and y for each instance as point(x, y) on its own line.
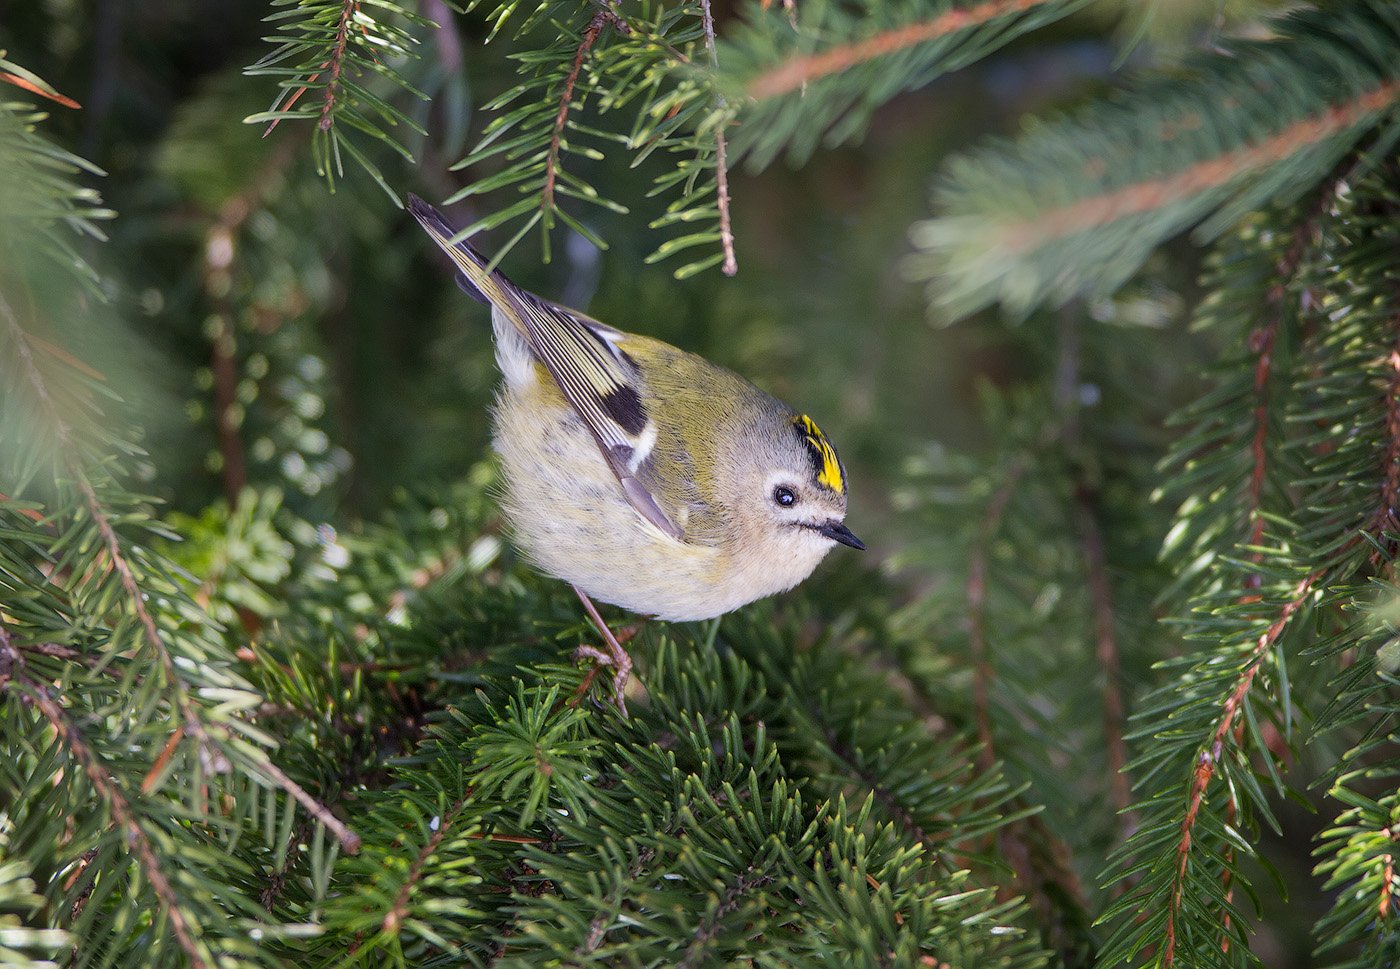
point(645, 476)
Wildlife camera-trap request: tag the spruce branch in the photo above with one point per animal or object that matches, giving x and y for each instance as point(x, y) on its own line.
point(800, 88)
point(1093, 549)
point(399, 911)
point(1217, 749)
point(335, 64)
point(210, 737)
point(358, 63)
point(794, 73)
point(603, 16)
point(1074, 206)
point(1018, 238)
point(117, 804)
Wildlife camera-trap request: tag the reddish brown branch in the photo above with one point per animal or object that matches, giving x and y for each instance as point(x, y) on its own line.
point(111, 794)
point(1147, 196)
point(348, 839)
point(1212, 755)
point(730, 265)
point(792, 74)
point(336, 63)
point(603, 17)
point(395, 916)
point(153, 775)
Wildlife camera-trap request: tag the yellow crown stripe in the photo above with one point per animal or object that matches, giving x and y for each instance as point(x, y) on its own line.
point(830, 474)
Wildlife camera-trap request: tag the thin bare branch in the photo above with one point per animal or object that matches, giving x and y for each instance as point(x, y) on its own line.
point(730, 265)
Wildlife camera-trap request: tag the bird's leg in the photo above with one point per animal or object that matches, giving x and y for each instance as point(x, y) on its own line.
point(616, 656)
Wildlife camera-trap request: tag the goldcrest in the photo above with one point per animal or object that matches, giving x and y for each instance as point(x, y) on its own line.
point(646, 476)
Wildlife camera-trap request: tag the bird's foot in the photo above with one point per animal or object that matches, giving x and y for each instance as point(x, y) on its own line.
point(614, 656)
point(621, 665)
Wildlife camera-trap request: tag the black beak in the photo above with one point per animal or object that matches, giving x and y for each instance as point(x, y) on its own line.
point(838, 532)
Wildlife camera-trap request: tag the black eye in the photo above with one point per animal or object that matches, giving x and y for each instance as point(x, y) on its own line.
point(783, 495)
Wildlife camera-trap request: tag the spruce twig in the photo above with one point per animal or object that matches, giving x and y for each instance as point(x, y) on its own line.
point(603, 16)
point(726, 229)
point(792, 74)
point(210, 738)
point(1099, 210)
point(1216, 750)
point(107, 788)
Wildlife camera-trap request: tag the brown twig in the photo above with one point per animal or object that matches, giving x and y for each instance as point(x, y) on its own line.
point(153, 775)
point(792, 74)
point(108, 789)
point(396, 914)
point(730, 265)
point(336, 63)
point(602, 17)
point(1146, 196)
point(1215, 751)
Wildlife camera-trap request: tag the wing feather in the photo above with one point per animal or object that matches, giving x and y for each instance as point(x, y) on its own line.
point(596, 377)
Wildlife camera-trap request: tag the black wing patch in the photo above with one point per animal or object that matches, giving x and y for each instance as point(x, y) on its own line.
point(624, 406)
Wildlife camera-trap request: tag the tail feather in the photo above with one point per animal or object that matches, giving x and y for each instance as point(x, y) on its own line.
point(474, 279)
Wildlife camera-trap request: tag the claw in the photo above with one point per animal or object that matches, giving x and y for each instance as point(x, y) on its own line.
point(615, 656)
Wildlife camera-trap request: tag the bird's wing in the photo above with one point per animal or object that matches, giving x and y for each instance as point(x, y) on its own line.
point(595, 376)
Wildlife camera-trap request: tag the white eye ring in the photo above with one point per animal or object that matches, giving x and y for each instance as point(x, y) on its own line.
point(784, 496)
